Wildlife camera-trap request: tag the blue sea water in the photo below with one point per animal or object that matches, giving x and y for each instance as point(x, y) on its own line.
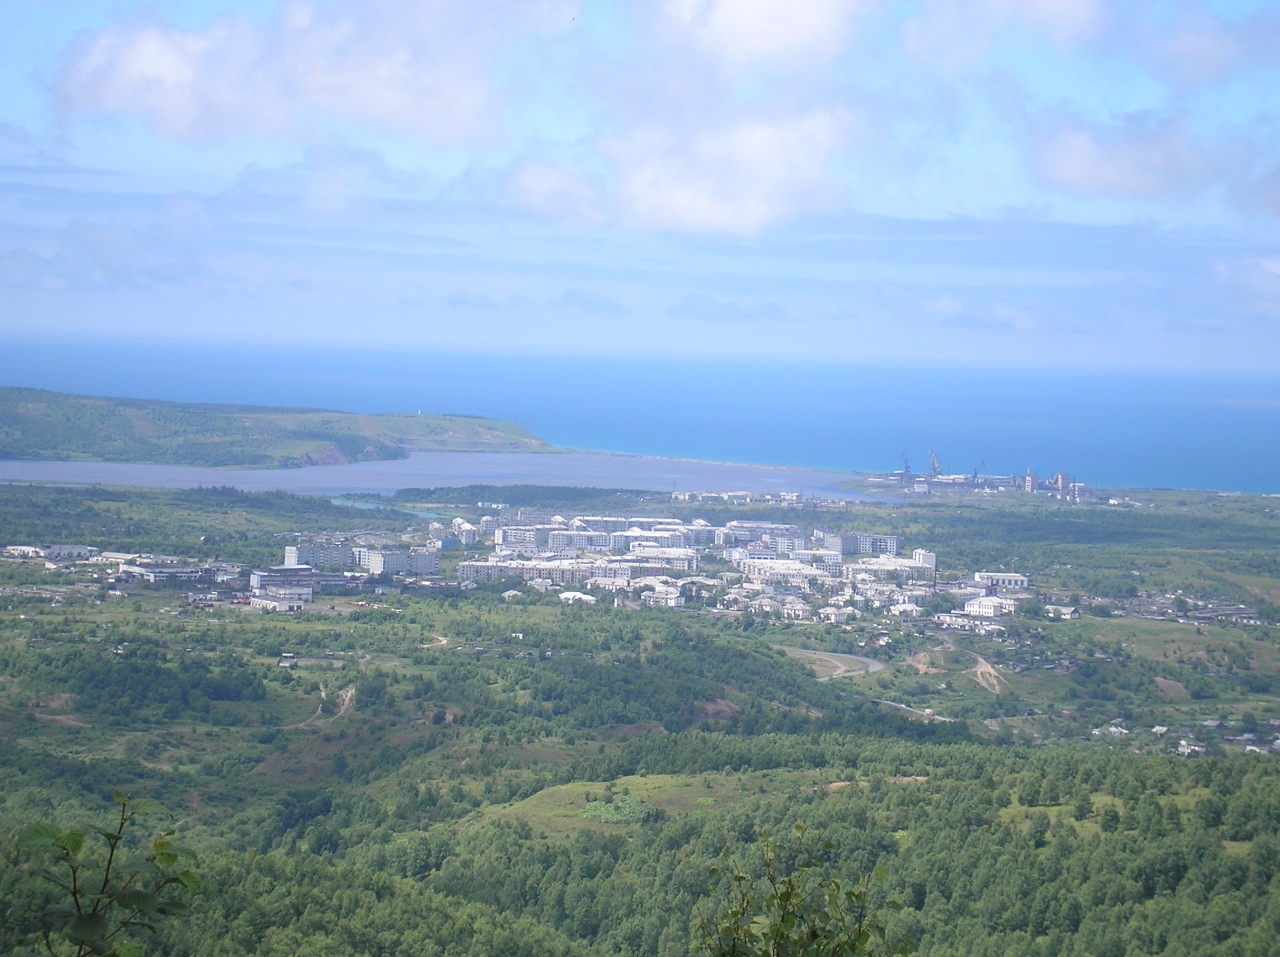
point(1105, 429)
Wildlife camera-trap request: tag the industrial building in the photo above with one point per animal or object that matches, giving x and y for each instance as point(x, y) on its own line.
point(1000, 579)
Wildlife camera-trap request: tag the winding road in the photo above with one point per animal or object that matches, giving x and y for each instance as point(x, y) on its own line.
point(842, 666)
point(866, 666)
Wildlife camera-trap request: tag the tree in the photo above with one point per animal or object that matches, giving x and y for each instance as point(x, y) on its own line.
point(108, 892)
point(1110, 819)
point(797, 909)
point(1039, 828)
point(1084, 807)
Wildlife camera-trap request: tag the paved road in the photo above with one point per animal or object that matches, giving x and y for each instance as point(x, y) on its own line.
point(907, 707)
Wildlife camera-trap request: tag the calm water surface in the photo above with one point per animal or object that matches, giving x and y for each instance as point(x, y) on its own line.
point(1216, 432)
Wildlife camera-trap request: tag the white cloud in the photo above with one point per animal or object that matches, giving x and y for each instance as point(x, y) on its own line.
point(745, 31)
point(1136, 162)
point(739, 178)
point(700, 307)
point(553, 190)
point(416, 67)
point(955, 34)
point(1198, 49)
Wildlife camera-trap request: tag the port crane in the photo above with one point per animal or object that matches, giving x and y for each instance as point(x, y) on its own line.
point(934, 464)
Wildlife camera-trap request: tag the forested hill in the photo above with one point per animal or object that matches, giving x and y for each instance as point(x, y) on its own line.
point(35, 424)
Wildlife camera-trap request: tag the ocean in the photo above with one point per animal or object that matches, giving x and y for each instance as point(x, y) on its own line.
point(1105, 429)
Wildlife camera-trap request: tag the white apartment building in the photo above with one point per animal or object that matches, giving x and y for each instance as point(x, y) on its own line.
point(525, 539)
point(677, 559)
point(889, 568)
point(320, 555)
point(388, 563)
point(783, 572)
point(785, 544)
point(748, 531)
point(669, 538)
point(926, 558)
point(578, 539)
point(989, 606)
point(830, 561)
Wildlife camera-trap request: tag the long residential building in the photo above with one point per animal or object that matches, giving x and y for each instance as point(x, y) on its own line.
point(782, 571)
point(565, 571)
point(665, 538)
point(320, 555)
point(890, 568)
point(748, 531)
point(578, 539)
point(525, 539)
point(865, 543)
point(675, 558)
point(619, 523)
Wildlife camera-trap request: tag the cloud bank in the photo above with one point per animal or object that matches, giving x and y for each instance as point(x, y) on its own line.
point(728, 116)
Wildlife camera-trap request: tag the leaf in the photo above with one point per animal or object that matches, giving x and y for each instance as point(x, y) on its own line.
point(135, 898)
point(120, 798)
point(190, 880)
point(72, 841)
point(39, 835)
point(53, 878)
point(145, 806)
point(181, 850)
point(87, 928)
point(171, 908)
point(127, 948)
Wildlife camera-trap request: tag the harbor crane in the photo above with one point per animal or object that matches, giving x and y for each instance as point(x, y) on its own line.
point(934, 464)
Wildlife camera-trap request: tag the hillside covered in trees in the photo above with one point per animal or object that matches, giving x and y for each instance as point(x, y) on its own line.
point(36, 424)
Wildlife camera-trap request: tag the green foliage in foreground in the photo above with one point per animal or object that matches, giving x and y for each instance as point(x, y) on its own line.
point(797, 908)
point(109, 894)
point(35, 424)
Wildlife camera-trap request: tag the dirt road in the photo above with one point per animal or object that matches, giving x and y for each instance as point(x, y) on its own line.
point(830, 664)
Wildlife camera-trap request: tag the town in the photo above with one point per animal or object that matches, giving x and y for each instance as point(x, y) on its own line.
point(765, 569)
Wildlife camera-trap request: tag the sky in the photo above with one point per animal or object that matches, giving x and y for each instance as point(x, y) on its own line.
point(1019, 184)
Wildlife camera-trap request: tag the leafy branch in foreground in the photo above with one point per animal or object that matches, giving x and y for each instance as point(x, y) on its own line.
point(797, 909)
point(110, 891)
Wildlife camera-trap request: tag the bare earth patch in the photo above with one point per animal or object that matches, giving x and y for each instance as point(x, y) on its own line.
point(718, 709)
point(1174, 690)
point(923, 664)
point(987, 676)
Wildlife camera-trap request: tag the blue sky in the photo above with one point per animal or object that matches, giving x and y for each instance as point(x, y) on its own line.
point(998, 183)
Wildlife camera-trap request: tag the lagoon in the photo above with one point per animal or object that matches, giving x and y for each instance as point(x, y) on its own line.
point(439, 469)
